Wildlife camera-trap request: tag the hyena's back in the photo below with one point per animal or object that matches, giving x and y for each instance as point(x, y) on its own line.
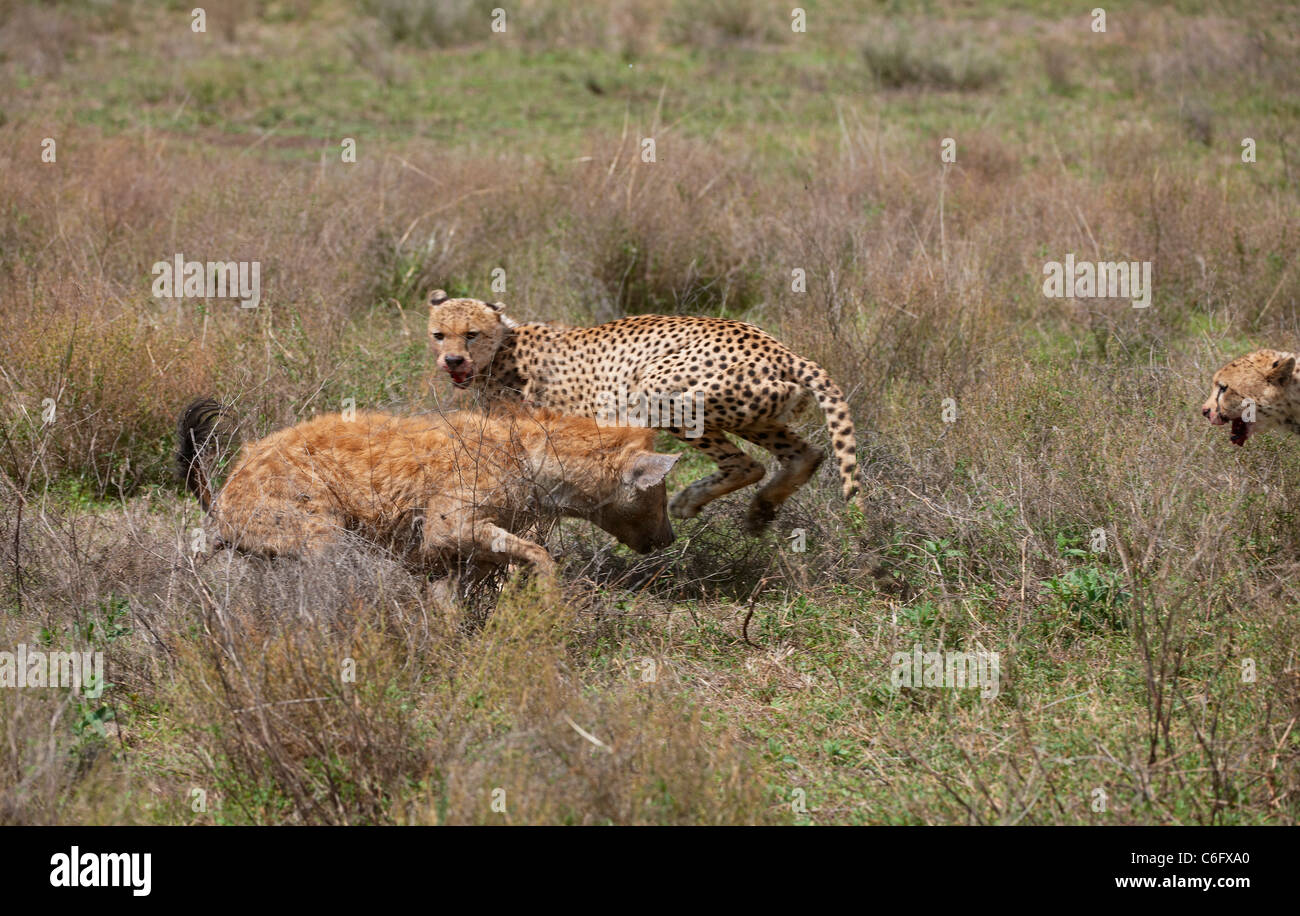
point(299, 489)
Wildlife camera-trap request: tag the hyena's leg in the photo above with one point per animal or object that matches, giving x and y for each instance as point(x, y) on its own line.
point(735, 470)
point(485, 543)
point(515, 549)
point(798, 462)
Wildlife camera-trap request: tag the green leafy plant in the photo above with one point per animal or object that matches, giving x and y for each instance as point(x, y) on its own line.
point(1091, 593)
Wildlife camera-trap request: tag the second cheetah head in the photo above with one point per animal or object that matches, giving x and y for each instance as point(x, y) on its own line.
point(465, 334)
point(1254, 393)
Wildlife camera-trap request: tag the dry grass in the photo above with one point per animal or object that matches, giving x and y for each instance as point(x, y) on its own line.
point(1123, 668)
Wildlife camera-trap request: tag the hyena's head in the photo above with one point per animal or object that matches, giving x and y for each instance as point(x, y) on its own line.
point(465, 334)
point(1254, 393)
point(609, 475)
point(636, 511)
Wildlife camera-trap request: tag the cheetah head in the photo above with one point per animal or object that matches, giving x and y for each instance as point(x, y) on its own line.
point(1252, 393)
point(465, 334)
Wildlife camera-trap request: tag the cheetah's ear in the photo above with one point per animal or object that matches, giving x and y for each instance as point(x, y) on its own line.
point(648, 470)
point(438, 297)
point(1280, 373)
point(500, 309)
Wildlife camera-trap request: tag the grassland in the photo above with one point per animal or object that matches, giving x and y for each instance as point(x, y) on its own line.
point(727, 680)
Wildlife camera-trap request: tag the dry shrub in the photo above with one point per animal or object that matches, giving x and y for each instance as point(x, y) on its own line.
point(935, 273)
point(924, 283)
point(909, 271)
point(1171, 52)
point(286, 732)
point(113, 381)
point(433, 23)
point(647, 755)
point(40, 39)
point(335, 690)
point(1059, 64)
point(435, 722)
point(718, 23)
point(898, 58)
point(627, 26)
point(53, 770)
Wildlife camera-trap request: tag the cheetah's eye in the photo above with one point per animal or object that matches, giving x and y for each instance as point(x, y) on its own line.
point(437, 335)
point(470, 335)
point(1222, 389)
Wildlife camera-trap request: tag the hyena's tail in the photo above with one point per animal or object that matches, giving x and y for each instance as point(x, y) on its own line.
point(831, 400)
point(195, 440)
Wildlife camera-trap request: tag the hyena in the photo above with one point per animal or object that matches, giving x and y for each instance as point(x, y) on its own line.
point(438, 490)
point(748, 384)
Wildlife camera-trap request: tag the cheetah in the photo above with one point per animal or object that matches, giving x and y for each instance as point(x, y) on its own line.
point(435, 489)
point(1255, 393)
point(746, 382)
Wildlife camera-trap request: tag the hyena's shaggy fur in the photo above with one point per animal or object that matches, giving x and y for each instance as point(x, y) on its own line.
point(1255, 393)
point(752, 386)
point(437, 489)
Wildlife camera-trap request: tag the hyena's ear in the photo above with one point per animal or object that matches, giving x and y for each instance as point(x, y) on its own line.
point(438, 297)
point(1280, 373)
point(648, 470)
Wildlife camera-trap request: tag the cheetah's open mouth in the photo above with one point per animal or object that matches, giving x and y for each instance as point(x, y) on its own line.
point(1240, 431)
point(461, 377)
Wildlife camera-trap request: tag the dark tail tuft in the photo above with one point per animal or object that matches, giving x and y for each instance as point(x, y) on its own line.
point(194, 440)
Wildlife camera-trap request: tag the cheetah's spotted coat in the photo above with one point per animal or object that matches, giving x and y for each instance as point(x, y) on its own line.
point(753, 386)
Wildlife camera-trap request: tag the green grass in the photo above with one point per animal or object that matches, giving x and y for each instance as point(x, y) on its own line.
point(1121, 666)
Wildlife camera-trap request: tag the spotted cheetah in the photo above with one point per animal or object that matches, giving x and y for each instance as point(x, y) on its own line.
point(1254, 393)
point(746, 382)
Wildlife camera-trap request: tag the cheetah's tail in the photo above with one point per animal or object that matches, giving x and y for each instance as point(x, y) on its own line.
point(831, 400)
point(195, 439)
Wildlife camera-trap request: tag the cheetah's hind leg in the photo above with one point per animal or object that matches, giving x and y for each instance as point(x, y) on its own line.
point(735, 470)
point(798, 462)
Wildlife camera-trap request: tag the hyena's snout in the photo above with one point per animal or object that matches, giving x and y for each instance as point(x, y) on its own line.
point(645, 531)
point(658, 538)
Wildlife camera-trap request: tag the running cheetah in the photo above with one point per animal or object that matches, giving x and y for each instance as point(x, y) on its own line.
point(746, 383)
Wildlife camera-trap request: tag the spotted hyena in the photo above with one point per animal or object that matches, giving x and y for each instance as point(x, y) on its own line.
point(435, 489)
